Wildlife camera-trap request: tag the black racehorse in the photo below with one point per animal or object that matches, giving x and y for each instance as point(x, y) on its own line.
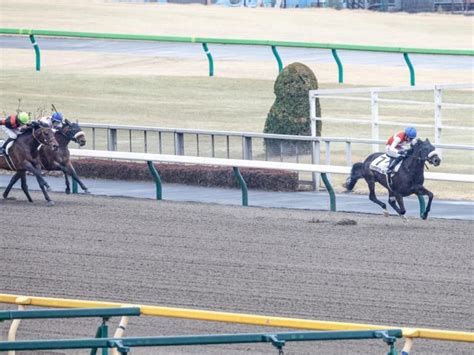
point(407, 181)
point(60, 159)
point(23, 157)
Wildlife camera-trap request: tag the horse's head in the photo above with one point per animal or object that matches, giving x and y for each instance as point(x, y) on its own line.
point(44, 135)
point(427, 152)
point(73, 132)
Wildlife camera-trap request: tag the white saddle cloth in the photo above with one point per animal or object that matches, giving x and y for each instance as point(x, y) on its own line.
point(380, 164)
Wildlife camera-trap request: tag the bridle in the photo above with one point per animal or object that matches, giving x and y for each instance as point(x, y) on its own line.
point(43, 139)
point(66, 132)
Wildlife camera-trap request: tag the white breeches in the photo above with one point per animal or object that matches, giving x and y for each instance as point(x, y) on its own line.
point(391, 152)
point(11, 133)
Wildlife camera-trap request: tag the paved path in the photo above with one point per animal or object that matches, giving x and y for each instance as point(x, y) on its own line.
point(297, 200)
point(233, 52)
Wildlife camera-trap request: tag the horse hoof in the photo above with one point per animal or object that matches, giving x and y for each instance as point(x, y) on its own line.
point(385, 213)
point(424, 216)
point(404, 218)
point(50, 203)
point(67, 191)
point(9, 198)
point(87, 192)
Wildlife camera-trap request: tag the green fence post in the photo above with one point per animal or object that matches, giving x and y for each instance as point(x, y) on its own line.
point(243, 185)
point(332, 195)
point(209, 58)
point(339, 65)
point(37, 52)
point(102, 332)
point(412, 70)
point(421, 199)
point(74, 186)
point(277, 56)
point(157, 179)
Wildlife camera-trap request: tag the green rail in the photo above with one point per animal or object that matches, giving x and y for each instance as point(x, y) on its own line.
point(273, 44)
point(276, 339)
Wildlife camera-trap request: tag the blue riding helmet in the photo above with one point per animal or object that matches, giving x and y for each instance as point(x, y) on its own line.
point(410, 132)
point(57, 117)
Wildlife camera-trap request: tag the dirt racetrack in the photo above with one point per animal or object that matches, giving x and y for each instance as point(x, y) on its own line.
point(300, 264)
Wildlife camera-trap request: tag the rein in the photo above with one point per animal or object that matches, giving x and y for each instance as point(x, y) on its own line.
point(45, 141)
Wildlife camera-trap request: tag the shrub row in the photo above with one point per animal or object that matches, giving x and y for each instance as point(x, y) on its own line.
point(261, 179)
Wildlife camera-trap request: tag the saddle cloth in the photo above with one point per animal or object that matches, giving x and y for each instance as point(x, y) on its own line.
point(380, 164)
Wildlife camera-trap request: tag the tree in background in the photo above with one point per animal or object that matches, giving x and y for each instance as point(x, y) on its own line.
point(289, 113)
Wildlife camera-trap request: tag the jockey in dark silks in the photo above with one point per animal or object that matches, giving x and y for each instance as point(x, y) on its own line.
point(397, 146)
point(12, 125)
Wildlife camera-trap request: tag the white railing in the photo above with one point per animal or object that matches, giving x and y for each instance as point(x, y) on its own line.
point(242, 163)
point(374, 99)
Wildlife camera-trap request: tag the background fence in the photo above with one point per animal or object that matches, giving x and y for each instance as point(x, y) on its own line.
point(206, 41)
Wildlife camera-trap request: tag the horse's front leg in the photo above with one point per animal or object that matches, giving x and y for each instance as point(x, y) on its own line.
point(71, 171)
point(396, 201)
point(66, 178)
point(12, 182)
point(374, 198)
point(24, 186)
point(41, 182)
point(424, 191)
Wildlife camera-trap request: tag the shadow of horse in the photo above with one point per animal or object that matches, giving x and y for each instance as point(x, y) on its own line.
point(60, 159)
point(407, 181)
point(23, 156)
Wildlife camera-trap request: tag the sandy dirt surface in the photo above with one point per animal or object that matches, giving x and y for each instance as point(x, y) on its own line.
point(290, 263)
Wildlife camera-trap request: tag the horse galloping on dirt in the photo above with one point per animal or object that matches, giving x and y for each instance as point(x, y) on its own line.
point(23, 156)
point(407, 180)
point(60, 159)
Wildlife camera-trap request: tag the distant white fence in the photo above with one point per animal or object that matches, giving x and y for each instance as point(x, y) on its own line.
point(374, 99)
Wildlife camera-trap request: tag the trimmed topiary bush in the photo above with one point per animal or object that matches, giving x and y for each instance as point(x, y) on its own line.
point(289, 113)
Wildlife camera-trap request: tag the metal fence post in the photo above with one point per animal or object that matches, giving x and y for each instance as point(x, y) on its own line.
point(112, 139)
point(438, 99)
point(374, 109)
point(247, 148)
point(179, 141)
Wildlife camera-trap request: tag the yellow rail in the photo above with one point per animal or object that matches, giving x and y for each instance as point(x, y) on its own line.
point(269, 321)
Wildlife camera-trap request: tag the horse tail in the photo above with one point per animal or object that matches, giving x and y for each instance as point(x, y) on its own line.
point(356, 174)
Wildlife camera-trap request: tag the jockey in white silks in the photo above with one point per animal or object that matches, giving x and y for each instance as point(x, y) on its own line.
point(55, 121)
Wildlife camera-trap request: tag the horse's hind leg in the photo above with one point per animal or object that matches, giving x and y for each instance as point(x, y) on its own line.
point(24, 186)
point(12, 182)
point(374, 198)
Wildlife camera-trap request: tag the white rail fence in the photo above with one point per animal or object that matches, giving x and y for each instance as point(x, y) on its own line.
point(242, 163)
point(375, 100)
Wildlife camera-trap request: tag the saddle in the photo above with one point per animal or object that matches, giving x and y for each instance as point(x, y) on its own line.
point(381, 163)
point(4, 150)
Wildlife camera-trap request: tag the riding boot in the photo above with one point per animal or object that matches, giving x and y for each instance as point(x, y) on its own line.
point(393, 164)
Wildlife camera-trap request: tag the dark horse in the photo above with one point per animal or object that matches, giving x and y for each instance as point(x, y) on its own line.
point(23, 156)
point(60, 159)
point(408, 180)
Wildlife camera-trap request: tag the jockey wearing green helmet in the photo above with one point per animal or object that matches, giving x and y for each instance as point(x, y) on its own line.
point(12, 125)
